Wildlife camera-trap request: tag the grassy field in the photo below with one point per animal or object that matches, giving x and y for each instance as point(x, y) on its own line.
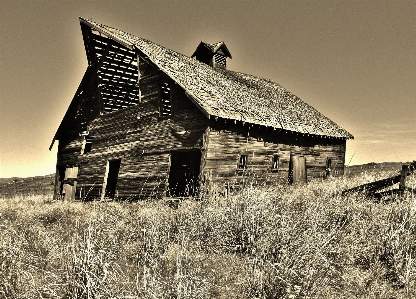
point(261, 242)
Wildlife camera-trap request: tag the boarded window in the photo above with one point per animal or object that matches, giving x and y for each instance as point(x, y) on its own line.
point(275, 163)
point(165, 104)
point(242, 163)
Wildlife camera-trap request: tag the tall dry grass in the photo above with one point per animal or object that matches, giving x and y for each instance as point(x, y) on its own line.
point(259, 242)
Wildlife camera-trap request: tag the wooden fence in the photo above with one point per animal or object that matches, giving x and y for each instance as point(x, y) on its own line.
point(374, 189)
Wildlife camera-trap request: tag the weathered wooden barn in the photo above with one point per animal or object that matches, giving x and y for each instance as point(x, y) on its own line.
point(148, 121)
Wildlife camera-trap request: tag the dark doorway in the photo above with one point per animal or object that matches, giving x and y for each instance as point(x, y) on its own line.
point(297, 169)
point(59, 182)
point(184, 172)
point(111, 178)
point(328, 168)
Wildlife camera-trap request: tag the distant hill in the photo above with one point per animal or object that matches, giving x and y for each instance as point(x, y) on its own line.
point(31, 185)
point(388, 167)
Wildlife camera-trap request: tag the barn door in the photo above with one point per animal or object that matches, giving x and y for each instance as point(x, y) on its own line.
point(110, 178)
point(69, 183)
point(297, 169)
point(184, 172)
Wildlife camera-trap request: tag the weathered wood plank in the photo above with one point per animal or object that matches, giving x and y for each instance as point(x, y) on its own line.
point(226, 146)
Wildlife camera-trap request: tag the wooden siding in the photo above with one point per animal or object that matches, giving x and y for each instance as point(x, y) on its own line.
point(227, 141)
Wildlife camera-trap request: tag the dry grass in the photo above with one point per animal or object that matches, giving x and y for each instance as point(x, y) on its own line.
point(261, 242)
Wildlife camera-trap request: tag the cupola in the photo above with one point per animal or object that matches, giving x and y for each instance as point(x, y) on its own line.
point(214, 55)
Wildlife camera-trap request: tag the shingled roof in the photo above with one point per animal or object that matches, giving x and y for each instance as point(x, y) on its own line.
point(228, 94)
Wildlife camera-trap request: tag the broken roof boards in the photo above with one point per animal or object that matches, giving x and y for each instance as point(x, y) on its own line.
point(224, 93)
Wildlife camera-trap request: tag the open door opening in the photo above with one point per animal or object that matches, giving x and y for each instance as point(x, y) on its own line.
point(110, 178)
point(297, 169)
point(183, 174)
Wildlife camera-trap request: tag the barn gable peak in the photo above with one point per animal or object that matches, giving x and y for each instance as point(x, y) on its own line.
point(214, 55)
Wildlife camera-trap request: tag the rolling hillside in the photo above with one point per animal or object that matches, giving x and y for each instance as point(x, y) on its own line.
point(27, 186)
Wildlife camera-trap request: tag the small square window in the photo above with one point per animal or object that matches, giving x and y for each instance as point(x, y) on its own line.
point(242, 163)
point(275, 163)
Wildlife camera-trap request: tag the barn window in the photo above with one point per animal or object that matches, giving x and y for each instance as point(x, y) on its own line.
point(275, 163)
point(328, 167)
point(86, 145)
point(82, 122)
point(165, 98)
point(242, 163)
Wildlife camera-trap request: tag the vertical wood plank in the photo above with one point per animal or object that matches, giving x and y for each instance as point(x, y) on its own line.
point(405, 171)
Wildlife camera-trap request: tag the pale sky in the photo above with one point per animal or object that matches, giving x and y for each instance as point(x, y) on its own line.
point(354, 61)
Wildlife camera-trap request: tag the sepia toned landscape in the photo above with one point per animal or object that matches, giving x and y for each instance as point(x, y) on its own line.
point(207, 149)
point(259, 242)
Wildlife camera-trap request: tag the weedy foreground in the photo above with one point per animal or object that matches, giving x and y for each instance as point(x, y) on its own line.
point(259, 242)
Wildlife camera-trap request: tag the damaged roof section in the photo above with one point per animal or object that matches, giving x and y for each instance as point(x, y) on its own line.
point(231, 95)
point(227, 94)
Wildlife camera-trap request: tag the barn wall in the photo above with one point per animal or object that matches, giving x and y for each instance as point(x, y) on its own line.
point(227, 141)
point(141, 138)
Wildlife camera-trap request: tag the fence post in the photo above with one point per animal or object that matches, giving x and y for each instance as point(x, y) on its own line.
point(405, 172)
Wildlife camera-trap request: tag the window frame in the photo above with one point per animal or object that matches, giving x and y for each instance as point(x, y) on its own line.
point(275, 163)
point(86, 144)
point(328, 167)
point(242, 162)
